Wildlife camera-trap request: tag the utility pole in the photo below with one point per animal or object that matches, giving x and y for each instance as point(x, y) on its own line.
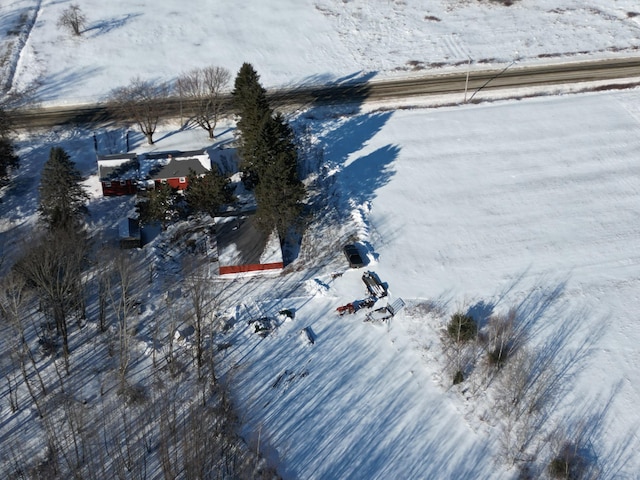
point(466, 83)
point(493, 78)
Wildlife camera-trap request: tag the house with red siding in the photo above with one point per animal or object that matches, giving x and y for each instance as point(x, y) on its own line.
point(125, 173)
point(174, 168)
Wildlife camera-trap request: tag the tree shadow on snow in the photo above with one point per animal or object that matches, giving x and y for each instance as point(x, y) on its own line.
point(367, 174)
point(322, 96)
point(586, 431)
point(103, 27)
point(343, 180)
point(61, 84)
point(370, 436)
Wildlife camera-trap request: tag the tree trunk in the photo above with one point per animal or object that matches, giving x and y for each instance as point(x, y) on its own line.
point(61, 325)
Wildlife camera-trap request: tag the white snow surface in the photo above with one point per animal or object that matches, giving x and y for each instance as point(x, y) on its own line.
point(531, 204)
point(297, 42)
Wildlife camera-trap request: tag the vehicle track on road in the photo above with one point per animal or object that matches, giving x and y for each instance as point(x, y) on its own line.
point(516, 80)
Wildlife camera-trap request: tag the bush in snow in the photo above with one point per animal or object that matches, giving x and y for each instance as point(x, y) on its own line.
point(501, 338)
point(462, 328)
point(568, 464)
point(73, 20)
point(459, 348)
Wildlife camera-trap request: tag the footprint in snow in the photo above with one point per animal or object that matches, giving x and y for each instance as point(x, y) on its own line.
point(316, 287)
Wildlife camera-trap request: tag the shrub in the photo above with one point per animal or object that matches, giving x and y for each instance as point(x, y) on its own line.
point(73, 20)
point(462, 328)
point(568, 464)
point(502, 338)
point(133, 394)
point(496, 357)
point(458, 377)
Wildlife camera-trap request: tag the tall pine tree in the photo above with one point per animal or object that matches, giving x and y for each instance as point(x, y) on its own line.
point(62, 198)
point(279, 192)
point(269, 155)
point(252, 107)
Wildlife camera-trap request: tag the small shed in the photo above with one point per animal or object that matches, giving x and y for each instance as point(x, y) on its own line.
point(129, 230)
point(244, 248)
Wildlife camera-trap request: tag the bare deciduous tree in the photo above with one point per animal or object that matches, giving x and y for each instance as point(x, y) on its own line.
point(572, 456)
point(53, 265)
point(122, 300)
point(503, 338)
point(103, 283)
point(202, 88)
point(142, 102)
point(13, 309)
point(199, 292)
point(73, 20)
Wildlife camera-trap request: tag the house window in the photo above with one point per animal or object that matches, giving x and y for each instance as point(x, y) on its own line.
point(107, 184)
point(163, 181)
point(123, 183)
point(182, 180)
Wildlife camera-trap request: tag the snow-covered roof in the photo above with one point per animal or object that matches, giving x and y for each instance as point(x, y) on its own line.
point(241, 242)
point(118, 167)
point(129, 228)
point(154, 165)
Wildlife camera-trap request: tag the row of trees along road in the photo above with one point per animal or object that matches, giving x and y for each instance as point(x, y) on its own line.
point(269, 158)
point(145, 102)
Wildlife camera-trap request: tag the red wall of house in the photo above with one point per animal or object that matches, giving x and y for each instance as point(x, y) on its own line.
point(114, 188)
point(175, 183)
point(255, 267)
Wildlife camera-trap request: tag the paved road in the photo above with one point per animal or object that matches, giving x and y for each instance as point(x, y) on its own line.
point(621, 72)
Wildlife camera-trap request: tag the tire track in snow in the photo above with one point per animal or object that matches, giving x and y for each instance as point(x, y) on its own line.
point(18, 49)
point(455, 47)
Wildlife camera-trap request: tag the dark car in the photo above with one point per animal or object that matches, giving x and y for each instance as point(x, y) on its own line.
point(353, 256)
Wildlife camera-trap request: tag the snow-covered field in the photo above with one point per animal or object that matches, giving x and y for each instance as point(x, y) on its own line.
point(294, 42)
point(532, 205)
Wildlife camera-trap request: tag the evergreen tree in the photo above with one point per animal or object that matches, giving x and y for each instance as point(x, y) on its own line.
point(8, 158)
point(268, 154)
point(206, 193)
point(52, 264)
point(251, 105)
point(156, 205)
point(279, 193)
point(62, 198)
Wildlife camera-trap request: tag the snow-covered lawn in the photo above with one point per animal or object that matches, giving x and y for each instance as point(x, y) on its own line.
point(530, 205)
